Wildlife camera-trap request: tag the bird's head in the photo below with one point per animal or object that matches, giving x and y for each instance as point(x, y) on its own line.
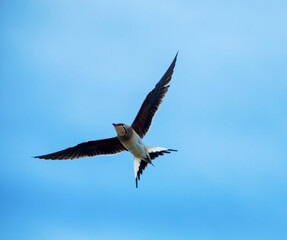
point(121, 129)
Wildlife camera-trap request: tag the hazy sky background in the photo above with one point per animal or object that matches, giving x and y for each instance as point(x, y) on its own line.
point(69, 69)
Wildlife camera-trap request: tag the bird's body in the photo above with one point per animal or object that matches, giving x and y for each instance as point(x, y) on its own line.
point(135, 145)
point(129, 138)
point(142, 153)
point(132, 141)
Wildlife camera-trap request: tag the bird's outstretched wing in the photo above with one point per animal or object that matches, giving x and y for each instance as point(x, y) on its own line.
point(88, 149)
point(151, 103)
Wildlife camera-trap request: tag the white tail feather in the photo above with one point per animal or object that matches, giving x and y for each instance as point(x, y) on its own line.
point(137, 162)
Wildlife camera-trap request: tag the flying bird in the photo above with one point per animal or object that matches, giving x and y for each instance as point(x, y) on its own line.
point(129, 138)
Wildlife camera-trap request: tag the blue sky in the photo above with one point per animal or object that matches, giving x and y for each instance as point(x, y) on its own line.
point(66, 67)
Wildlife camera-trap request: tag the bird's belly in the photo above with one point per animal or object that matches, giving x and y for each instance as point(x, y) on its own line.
point(137, 148)
point(138, 151)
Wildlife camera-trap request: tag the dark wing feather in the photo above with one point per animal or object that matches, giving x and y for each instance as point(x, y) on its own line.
point(154, 155)
point(151, 103)
point(142, 167)
point(88, 149)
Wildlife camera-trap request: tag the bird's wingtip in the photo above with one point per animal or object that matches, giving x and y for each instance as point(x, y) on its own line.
point(175, 58)
point(42, 157)
point(173, 150)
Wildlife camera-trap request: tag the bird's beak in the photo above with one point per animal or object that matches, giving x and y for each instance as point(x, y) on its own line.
point(115, 124)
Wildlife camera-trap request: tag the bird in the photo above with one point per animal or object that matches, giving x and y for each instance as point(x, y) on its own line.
point(129, 138)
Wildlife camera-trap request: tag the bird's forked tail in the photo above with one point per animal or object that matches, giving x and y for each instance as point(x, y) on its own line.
point(154, 152)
